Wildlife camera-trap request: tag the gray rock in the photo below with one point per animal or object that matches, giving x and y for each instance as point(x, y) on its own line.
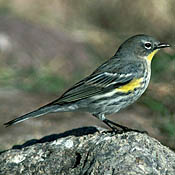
point(89, 150)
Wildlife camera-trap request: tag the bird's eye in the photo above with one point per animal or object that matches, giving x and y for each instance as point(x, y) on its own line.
point(148, 45)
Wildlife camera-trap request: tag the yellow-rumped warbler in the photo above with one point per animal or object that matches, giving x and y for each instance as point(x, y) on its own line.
point(114, 85)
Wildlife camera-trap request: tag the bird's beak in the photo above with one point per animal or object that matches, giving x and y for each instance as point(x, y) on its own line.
point(162, 45)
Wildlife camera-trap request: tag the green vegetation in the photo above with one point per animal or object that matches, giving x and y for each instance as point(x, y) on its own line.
point(32, 80)
point(155, 105)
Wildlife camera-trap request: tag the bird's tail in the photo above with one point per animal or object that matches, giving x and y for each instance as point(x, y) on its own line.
point(39, 112)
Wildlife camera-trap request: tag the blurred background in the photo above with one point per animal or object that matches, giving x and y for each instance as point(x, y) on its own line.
point(47, 46)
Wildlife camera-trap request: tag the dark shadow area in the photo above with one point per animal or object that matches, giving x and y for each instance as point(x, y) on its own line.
point(74, 132)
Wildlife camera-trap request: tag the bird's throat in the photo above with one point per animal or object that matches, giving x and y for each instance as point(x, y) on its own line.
point(150, 56)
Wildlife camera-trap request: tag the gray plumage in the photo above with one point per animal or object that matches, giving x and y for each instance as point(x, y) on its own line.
point(98, 93)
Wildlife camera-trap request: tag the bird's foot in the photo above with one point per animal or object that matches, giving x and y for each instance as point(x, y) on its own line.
point(123, 129)
point(126, 129)
point(115, 131)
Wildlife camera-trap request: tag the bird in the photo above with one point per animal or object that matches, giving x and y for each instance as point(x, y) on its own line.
point(113, 86)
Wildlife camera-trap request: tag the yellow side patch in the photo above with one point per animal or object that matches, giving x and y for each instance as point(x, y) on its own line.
point(150, 56)
point(135, 83)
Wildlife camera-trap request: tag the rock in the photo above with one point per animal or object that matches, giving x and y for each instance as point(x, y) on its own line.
point(89, 150)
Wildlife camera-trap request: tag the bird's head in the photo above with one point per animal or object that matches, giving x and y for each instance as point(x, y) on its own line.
point(140, 47)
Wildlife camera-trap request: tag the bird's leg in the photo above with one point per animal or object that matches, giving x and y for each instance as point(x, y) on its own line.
point(102, 117)
point(114, 126)
point(124, 128)
point(110, 126)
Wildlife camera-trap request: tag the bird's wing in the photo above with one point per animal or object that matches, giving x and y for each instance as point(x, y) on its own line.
point(104, 79)
point(95, 84)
